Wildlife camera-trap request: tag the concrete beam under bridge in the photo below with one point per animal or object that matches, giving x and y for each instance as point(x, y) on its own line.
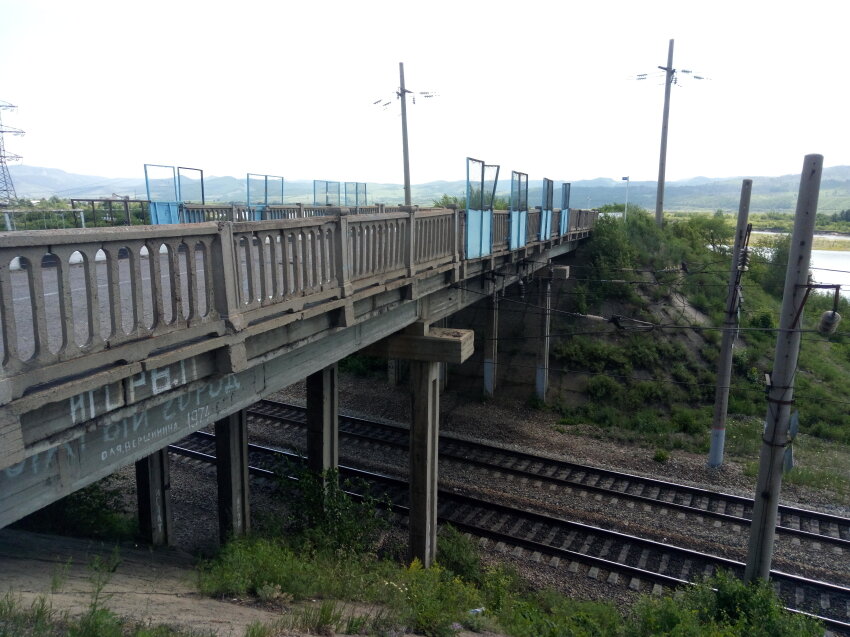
point(425, 351)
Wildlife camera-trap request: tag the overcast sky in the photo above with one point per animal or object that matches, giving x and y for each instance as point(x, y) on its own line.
point(546, 88)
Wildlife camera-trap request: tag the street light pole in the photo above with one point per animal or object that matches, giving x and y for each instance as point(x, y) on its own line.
point(662, 162)
point(626, 208)
point(402, 93)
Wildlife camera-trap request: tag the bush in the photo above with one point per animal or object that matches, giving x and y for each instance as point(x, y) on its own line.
point(458, 554)
point(432, 600)
point(602, 388)
point(321, 513)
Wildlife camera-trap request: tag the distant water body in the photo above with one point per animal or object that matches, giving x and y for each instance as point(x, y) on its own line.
point(831, 266)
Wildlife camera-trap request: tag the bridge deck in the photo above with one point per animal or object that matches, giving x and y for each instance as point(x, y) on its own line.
point(118, 341)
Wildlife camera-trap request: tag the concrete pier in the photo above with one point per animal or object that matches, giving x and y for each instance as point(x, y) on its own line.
point(153, 490)
point(322, 420)
point(231, 449)
point(491, 345)
point(541, 380)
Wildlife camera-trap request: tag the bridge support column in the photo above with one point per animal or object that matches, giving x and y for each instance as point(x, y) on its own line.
point(491, 346)
point(424, 440)
point(541, 381)
point(153, 489)
point(234, 502)
point(425, 350)
point(322, 420)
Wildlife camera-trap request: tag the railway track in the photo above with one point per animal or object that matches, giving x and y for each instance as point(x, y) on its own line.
point(803, 524)
point(619, 558)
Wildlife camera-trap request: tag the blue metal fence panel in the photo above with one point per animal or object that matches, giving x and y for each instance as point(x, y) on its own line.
point(481, 182)
point(518, 229)
point(545, 224)
point(565, 209)
point(546, 207)
point(518, 216)
point(165, 212)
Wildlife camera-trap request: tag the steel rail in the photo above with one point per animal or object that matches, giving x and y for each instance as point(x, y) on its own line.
point(400, 486)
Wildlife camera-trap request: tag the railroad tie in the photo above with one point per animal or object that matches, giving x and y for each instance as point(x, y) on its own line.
point(516, 527)
point(568, 540)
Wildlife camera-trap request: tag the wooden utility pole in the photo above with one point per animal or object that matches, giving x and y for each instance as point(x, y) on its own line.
point(780, 395)
point(730, 326)
point(402, 93)
point(662, 162)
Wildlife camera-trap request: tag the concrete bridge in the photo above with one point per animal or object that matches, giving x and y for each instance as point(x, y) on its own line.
point(119, 341)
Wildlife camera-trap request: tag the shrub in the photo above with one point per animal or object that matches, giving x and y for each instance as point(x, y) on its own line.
point(458, 554)
point(321, 513)
point(602, 388)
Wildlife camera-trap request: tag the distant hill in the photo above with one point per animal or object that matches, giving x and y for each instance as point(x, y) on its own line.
point(696, 194)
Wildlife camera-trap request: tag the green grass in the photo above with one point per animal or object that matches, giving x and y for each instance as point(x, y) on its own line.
point(460, 592)
point(656, 387)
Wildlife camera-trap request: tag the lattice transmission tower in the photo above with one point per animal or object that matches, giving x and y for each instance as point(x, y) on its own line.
point(7, 188)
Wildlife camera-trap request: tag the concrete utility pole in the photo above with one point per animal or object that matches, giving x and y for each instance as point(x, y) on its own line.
point(402, 93)
point(662, 162)
point(781, 391)
point(730, 326)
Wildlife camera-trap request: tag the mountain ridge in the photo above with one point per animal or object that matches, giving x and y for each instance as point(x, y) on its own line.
point(770, 193)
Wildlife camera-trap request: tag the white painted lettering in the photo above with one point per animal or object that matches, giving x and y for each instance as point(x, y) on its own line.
point(111, 432)
point(109, 404)
point(167, 412)
point(15, 470)
point(160, 380)
point(78, 407)
point(232, 383)
point(139, 420)
point(218, 385)
point(139, 380)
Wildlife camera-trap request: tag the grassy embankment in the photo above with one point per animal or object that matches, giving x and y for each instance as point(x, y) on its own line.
point(654, 382)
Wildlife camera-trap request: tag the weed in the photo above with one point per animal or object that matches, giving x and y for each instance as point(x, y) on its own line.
point(722, 605)
point(457, 554)
point(59, 576)
point(321, 513)
point(661, 456)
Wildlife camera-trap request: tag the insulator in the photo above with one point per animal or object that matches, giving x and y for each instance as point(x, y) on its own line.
point(744, 261)
point(829, 322)
point(521, 289)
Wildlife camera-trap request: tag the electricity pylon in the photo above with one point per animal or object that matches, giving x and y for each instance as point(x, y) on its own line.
point(7, 188)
